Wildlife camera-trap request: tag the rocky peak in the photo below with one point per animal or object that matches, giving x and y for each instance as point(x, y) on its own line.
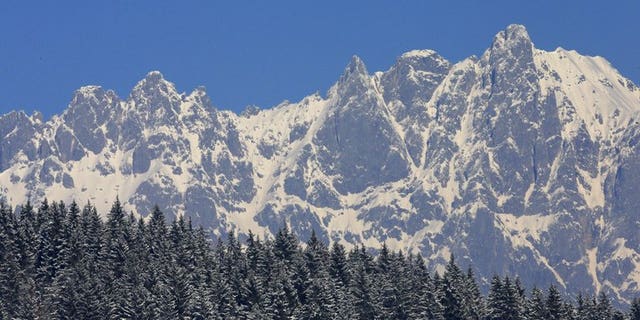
point(355, 67)
point(13, 119)
point(513, 42)
point(37, 117)
point(86, 92)
point(423, 59)
point(200, 96)
point(90, 106)
point(412, 79)
point(154, 91)
point(155, 100)
point(514, 34)
point(354, 78)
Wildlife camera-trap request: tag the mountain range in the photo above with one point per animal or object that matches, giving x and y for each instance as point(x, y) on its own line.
point(520, 161)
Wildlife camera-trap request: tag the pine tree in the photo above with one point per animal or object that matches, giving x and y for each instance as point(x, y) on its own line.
point(427, 304)
point(617, 315)
point(363, 294)
point(29, 236)
point(318, 292)
point(603, 306)
point(535, 308)
point(65, 263)
point(340, 277)
point(51, 258)
point(496, 301)
point(114, 264)
point(521, 297)
point(10, 272)
point(59, 294)
point(474, 304)
point(280, 293)
point(28, 243)
point(256, 275)
point(91, 266)
point(554, 306)
point(180, 286)
point(68, 287)
point(568, 312)
point(338, 267)
point(51, 246)
point(285, 245)
point(253, 253)
point(400, 277)
point(634, 311)
point(504, 300)
point(452, 298)
point(237, 271)
point(195, 260)
point(300, 275)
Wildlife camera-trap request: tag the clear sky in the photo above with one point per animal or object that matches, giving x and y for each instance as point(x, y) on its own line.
point(263, 52)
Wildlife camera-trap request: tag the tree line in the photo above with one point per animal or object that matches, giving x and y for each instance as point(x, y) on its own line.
point(65, 262)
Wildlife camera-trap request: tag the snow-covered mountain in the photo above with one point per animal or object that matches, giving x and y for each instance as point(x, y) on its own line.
point(519, 161)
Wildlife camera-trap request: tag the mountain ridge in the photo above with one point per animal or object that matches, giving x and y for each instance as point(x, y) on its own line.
point(517, 155)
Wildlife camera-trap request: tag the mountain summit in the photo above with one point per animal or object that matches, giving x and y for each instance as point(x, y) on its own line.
point(521, 161)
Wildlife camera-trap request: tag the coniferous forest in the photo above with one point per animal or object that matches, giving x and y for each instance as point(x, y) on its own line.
point(65, 262)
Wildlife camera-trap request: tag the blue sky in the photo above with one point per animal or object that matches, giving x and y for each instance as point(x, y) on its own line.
point(263, 52)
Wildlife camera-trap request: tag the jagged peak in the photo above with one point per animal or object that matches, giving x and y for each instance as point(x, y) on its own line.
point(513, 35)
point(355, 67)
point(424, 59)
point(92, 95)
point(199, 91)
point(355, 72)
point(153, 79)
point(354, 75)
point(515, 31)
point(21, 116)
point(201, 97)
point(90, 89)
point(421, 53)
point(86, 92)
point(154, 76)
point(153, 84)
point(15, 114)
point(250, 110)
point(37, 117)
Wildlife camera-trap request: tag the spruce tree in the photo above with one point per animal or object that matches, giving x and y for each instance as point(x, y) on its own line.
point(473, 302)
point(535, 308)
point(338, 267)
point(634, 310)
point(65, 263)
point(427, 304)
point(496, 304)
point(363, 294)
point(340, 276)
point(10, 271)
point(452, 298)
point(280, 293)
point(285, 245)
point(554, 306)
point(603, 306)
point(318, 293)
point(28, 235)
point(114, 264)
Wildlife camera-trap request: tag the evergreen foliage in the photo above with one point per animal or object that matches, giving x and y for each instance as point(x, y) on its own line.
point(59, 262)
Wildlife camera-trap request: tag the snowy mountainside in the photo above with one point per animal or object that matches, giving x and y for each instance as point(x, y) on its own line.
point(518, 161)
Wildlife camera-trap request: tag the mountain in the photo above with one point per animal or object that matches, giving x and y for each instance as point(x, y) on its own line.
point(521, 161)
